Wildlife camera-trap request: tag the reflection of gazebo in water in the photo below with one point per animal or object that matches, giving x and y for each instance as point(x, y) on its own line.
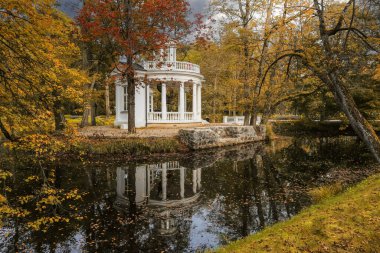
point(168, 190)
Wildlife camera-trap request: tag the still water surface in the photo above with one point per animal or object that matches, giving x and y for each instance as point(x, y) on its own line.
point(184, 204)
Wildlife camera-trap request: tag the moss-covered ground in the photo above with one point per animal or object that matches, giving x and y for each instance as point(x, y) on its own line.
point(348, 222)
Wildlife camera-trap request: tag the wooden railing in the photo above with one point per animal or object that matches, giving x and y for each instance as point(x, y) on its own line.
point(172, 66)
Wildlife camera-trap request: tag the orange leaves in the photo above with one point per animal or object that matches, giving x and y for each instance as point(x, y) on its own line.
point(137, 28)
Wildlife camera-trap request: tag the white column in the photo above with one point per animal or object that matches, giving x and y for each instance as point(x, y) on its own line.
point(120, 179)
point(164, 181)
point(148, 186)
point(199, 179)
point(141, 182)
point(195, 101)
point(199, 97)
point(117, 101)
point(182, 180)
point(195, 181)
point(151, 103)
point(164, 109)
point(147, 87)
point(182, 101)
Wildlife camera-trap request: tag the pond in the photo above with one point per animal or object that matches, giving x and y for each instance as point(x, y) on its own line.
point(186, 203)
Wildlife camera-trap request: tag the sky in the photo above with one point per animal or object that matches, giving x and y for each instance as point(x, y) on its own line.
point(71, 7)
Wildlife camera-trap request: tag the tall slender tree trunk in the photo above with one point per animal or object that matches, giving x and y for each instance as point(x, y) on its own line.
point(131, 90)
point(269, 107)
point(59, 118)
point(245, 16)
point(214, 101)
point(93, 113)
point(131, 105)
point(130, 72)
point(264, 50)
point(88, 105)
point(246, 81)
point(107, 100)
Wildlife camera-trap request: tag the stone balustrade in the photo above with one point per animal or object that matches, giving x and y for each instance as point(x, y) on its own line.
point(172, 66)
point(219, 136)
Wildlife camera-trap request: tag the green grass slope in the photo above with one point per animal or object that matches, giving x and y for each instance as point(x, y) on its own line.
point(349, 222)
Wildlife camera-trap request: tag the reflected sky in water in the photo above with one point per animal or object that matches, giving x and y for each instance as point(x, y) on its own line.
point(186, 204)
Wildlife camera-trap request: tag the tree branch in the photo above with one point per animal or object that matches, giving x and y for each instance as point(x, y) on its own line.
point(296, 95)
point(341, 18)
point(351, 23)
point(6, 133)
point(291, 55)
point(360, 35)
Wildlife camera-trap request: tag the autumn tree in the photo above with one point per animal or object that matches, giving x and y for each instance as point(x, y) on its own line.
point(135, 28)
point(329, 50)
point(242, 14)
point(37, 67)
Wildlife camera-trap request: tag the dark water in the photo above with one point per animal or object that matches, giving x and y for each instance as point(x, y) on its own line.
point(185, 204)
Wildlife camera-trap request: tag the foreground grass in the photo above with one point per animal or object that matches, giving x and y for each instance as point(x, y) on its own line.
point(100, 120)
point(349, 222)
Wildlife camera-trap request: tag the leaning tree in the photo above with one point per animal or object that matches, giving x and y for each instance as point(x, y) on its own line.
point(328, 58)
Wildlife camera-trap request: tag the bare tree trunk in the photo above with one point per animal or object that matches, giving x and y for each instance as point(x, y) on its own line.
point(131, 97)
point(245, 16)
point(131, 105)
point(86, 114)
point(59, 117)
point(88, 105)
point(130, 74)
point(59, 120)
point(235, 102)
point(268, 107)
point(214, 102)
point(264, 50)
point(107, 98)
point(93, 114)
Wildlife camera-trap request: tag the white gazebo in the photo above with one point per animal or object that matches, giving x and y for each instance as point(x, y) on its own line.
point(155, 79)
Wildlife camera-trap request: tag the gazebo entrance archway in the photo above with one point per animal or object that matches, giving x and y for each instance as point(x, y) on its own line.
point(168, 102)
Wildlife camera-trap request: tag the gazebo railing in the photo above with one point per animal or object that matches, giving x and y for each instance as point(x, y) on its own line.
point(155, 116)
point(172, 66)
point(175, 117)
point(189, 116)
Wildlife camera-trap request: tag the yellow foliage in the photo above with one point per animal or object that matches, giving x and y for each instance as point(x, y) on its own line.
point(7, 211)
point(38, 54)
point(47, 200)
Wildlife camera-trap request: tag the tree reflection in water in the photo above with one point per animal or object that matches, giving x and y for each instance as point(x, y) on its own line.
point(198, 201)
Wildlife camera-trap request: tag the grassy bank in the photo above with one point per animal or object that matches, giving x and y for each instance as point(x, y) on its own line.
point(307, 127)
point(349, 222)
point(128, 146)
point(44, 148)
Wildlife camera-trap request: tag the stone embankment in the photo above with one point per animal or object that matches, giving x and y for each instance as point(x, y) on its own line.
point(219, 136)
